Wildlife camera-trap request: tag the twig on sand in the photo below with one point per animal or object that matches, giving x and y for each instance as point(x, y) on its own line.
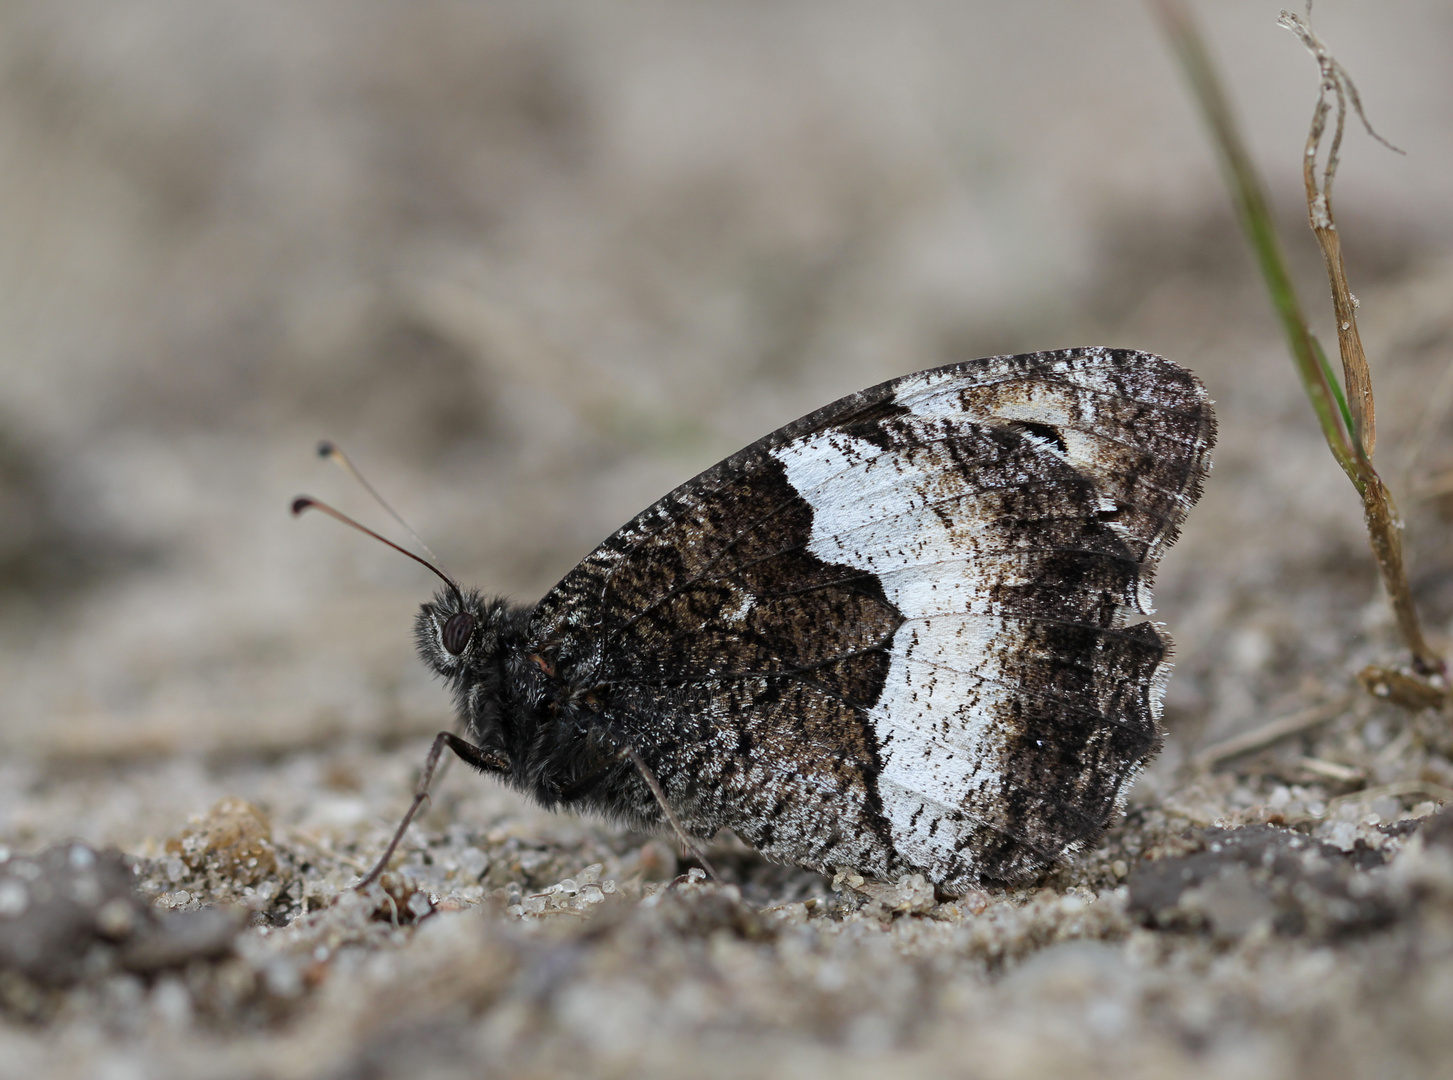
point(1271, 732)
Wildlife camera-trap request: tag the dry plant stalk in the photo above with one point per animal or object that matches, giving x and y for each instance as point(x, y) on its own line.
point(1337, 83)
point(1348, 423)
point(1383, 525)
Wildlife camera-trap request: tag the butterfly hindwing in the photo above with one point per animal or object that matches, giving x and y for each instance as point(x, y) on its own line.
point(892, 635)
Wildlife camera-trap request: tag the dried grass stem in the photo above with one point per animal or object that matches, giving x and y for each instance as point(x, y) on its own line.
point(1347, 422)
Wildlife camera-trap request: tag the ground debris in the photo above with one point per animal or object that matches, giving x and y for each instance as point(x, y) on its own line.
point(232, 844)
point(71, 915)
point(1260, 876)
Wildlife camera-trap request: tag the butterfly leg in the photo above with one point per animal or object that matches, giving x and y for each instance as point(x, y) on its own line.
point(687, 840)
point(477, 756)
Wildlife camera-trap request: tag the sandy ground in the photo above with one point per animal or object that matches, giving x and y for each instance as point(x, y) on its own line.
point(535, 263)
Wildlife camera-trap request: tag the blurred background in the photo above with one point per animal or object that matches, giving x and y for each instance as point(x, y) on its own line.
point(534, 263)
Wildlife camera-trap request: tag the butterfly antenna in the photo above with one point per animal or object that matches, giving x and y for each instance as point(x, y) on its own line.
point(307, 502)
point(330, 450)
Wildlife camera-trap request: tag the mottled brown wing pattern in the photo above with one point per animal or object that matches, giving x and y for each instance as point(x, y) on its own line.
point(892, 635)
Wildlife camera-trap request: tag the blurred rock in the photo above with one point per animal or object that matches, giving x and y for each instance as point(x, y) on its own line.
point(1262, 876)
point(71, 913)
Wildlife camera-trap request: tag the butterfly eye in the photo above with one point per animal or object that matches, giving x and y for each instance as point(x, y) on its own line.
point(457, 632)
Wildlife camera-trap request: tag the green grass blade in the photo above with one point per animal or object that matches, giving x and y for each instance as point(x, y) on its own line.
point(1253, 212)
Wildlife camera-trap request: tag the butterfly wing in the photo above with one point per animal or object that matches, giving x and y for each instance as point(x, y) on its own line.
point(893, 635)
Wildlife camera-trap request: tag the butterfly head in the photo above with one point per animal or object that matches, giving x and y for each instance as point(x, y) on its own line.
point(470, 641)
point(458, 633)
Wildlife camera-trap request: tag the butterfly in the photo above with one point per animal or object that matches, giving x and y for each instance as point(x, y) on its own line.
point(898, 635)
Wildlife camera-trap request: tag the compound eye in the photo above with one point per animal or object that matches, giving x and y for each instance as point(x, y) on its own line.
point(457, 632)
